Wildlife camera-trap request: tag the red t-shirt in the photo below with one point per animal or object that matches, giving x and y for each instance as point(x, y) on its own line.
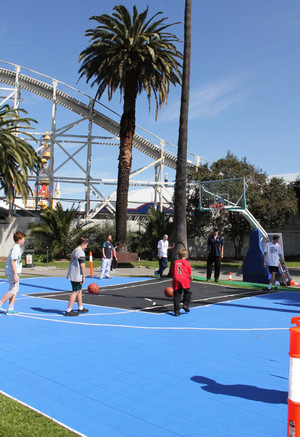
point(181, 274)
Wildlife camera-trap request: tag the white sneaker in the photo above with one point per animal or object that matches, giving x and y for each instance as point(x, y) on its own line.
point(100, 277)
point(276, 285)
point(269, 286)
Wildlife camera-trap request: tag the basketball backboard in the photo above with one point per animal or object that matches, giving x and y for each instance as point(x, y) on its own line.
point(228, 192)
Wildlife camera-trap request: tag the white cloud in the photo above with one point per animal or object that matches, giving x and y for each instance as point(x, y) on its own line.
point(211, 99)
point(288, 177)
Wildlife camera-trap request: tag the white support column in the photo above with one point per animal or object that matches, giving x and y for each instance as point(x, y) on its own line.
point(162, 143)
point(156, 177)
point(89, 160)
point(52, 143)
point(17, 89)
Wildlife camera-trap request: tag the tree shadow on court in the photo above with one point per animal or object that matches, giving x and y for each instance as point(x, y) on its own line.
point(48, 310)
point(41, 287)
point(249, 392)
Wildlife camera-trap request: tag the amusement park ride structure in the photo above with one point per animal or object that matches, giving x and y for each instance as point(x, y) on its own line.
point(64, 136)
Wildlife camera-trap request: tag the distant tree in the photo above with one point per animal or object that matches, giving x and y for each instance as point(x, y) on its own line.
point(145, 242)
point(133, 54)
point(57, 230)
point(17, 157)
point(278, 201)
point(296, 187)
point(270, 201)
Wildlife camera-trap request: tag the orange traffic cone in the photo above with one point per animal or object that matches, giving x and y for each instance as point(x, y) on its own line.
point(230, 277)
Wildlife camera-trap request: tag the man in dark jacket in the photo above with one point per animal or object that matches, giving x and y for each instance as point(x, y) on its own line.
point(214, 254)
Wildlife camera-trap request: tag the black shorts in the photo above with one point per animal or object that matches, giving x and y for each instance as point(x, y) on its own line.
point(273, 269)
point(76, 286)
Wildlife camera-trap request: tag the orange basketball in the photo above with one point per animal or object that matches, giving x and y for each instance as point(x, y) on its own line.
point(169, 292)
point(93, 288)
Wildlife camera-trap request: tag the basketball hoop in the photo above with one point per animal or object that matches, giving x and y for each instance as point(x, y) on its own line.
point(215, 209)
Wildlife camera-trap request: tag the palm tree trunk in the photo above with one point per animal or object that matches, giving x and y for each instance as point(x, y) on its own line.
point(127, 129)
point(180, 225)
point(11, 202)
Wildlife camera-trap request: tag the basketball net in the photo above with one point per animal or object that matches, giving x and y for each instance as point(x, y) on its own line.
point(215, 209)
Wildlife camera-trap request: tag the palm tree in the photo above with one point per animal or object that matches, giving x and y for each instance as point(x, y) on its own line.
point(57, 231)
point(180, 203)
point(132, 54)
point(17, 157)
point(157, 225)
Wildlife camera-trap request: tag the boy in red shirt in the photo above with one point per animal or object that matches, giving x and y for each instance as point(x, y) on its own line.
point(182, 276)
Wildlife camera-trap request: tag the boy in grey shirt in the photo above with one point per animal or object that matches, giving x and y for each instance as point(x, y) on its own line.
point(13, 269)
point(76, 275)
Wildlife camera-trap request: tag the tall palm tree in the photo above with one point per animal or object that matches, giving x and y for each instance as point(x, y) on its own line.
point(180, 224)
point(17, 157)
point(132, 54)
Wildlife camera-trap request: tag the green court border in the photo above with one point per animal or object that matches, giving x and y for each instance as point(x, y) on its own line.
point(246, 285)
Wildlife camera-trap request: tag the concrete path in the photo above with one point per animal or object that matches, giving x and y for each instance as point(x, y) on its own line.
point(236, 272)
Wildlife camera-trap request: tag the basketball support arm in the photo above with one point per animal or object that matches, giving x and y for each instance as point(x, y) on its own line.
point(252, 220)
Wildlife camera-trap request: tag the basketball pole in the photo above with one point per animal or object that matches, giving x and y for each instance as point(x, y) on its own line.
point(91, 263)
point(293, 426)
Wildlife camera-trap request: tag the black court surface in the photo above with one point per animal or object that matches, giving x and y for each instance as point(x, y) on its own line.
point(148, 295)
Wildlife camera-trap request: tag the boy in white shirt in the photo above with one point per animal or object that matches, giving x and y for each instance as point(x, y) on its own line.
point(12, 270)
point(272, 255)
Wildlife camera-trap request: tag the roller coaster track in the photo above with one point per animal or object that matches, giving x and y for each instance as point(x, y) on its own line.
point(46, 91)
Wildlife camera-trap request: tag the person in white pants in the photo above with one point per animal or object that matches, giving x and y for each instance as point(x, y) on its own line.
point(107, 254)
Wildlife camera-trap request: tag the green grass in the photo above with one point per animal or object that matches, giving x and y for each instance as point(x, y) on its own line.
point(202, 264)
point(16, 420)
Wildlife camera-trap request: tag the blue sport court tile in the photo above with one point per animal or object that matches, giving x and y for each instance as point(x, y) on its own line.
point(221, 370)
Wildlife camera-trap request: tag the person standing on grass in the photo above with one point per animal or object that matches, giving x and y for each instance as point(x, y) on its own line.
point(214, 254)
point(107, 254)
point(272, 255)
point(76, 275)
point(13, 269)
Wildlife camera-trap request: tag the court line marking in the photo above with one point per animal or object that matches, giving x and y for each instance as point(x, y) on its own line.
point(126, 311)
point(121, 310)
point(124, 287)
point(158, 328)
point(240, 296)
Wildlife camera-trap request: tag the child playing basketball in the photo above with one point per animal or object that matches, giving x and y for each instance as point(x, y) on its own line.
point(76, 275)
point(13, 269)
point(182, 276)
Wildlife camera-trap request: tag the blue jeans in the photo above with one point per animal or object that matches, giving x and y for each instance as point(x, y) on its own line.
point(163, 264)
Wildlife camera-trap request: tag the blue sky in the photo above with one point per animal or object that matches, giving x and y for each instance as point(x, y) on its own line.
point(245, 89)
